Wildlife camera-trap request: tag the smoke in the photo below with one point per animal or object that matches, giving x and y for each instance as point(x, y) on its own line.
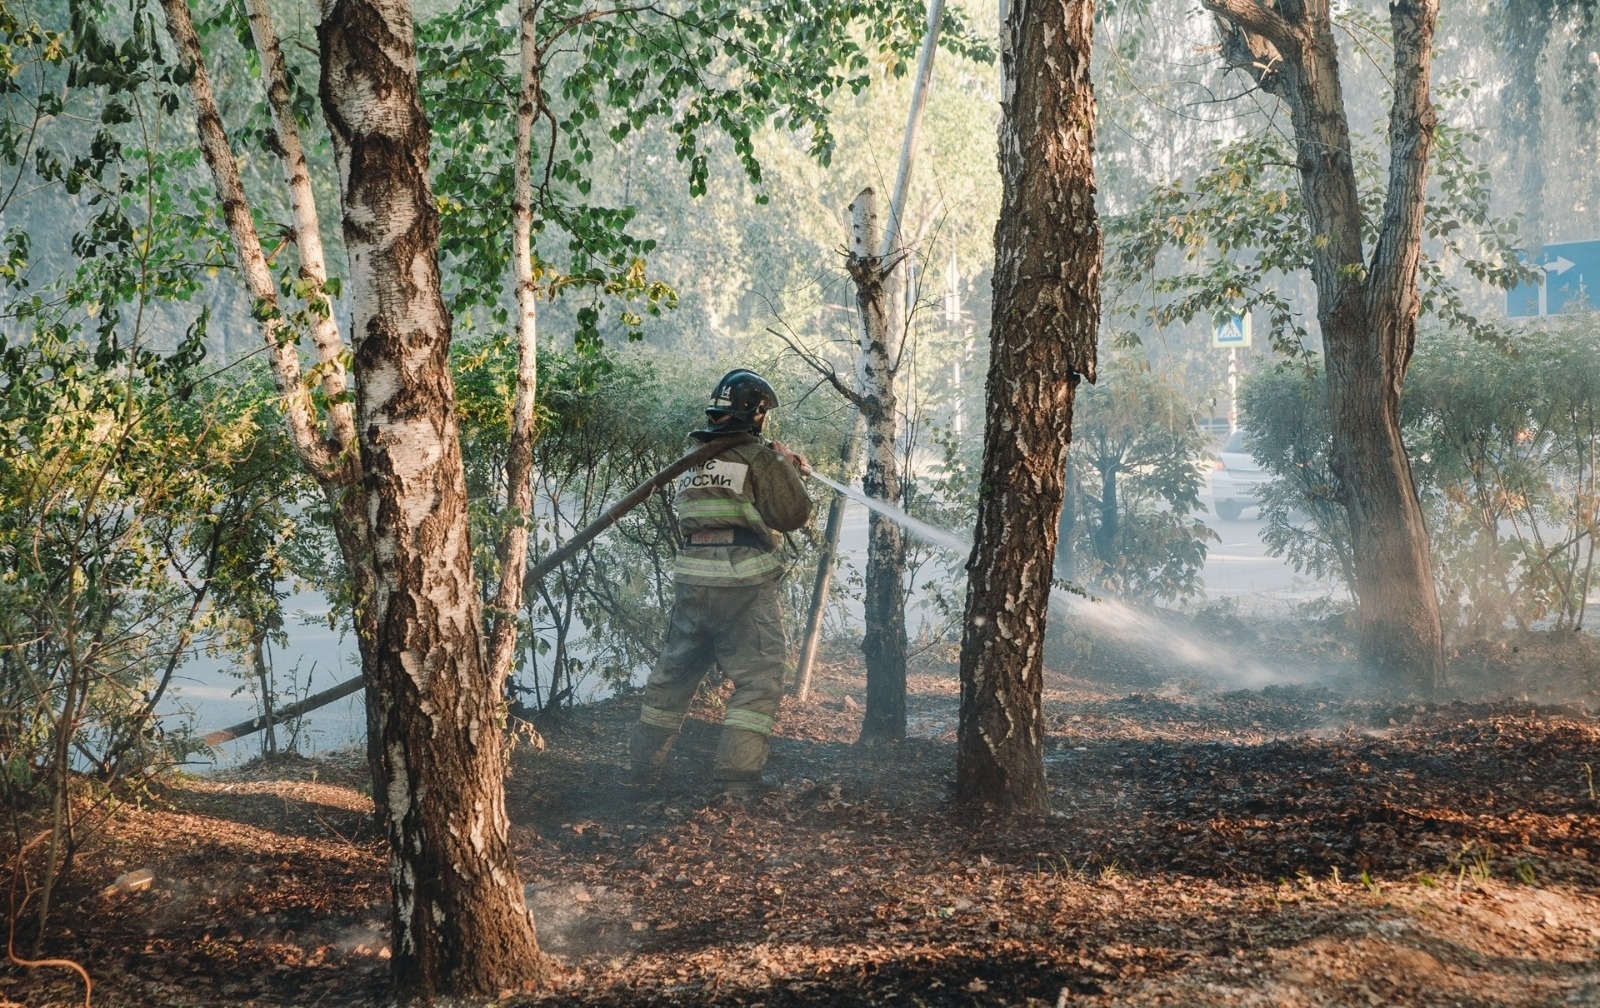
point(575, 918)
point(1142, 631)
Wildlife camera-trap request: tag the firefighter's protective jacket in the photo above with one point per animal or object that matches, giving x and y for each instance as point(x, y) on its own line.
point(750, 490)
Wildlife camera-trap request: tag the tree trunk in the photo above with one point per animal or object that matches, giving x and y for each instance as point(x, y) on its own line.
point(883, 640)
point(1367, 310)
point(872, 264)
point(461, 926)
point(346, 499)
point(1066, 555)
point(1105, 537)
point(325, 337)
point(314, 453)
point(811, 638)
point(258, 660)
point(1043, 335)
point(908, 142)
point(512, 554)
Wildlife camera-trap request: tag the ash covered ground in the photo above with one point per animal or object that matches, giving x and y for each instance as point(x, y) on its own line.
point(1301, 843)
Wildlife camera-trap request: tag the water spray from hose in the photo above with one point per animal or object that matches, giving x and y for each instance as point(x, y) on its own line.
point(1108, 615)
point(931, 534)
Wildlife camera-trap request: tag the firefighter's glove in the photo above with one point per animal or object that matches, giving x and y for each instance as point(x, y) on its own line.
point(796, 459)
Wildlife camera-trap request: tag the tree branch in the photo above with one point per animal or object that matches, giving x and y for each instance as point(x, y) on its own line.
point(822, 368)
point(1252, 17)
point(1393, 276)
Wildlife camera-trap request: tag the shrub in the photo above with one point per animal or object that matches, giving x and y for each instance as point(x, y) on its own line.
point(1133, 485)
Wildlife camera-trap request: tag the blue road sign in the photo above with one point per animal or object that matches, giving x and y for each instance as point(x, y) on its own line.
point(1231, 331)
point(1523, 300)
point(1571, 277)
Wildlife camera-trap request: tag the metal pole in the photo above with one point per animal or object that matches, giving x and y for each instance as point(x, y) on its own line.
point(825, 562)
point(1233, 390)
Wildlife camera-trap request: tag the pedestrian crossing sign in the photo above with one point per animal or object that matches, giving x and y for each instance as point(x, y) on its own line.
point(1231, 331)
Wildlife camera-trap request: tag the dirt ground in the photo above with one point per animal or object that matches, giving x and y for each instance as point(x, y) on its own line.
point(1291, 845)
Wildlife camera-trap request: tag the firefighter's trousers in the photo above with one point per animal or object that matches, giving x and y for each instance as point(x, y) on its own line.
point(740, 629)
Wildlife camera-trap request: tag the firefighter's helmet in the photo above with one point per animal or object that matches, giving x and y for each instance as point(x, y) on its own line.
point(741, 397)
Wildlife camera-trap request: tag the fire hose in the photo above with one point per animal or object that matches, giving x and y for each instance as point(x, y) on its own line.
point(540, 570)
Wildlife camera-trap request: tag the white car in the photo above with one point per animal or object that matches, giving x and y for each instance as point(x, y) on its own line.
point(1236, 479)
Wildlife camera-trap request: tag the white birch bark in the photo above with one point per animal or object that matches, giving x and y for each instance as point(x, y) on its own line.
point(325, 335)
point(459, 922)
point(883, 640)
point(298, 411)
point(332, 459)
point(513, 549)
point(908, 143)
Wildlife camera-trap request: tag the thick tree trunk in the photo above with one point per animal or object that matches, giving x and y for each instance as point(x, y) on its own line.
point(883, 640)
point(1043, 336)
point(1367, 310)
point(461, 926)
point(513, 550)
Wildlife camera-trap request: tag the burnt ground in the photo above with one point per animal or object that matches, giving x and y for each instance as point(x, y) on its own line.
point(1285, 845)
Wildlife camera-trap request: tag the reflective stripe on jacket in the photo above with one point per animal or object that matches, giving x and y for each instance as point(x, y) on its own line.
point(748, 486)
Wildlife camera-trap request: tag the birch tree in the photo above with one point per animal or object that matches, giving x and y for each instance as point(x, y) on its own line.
point(512, 555)
point(460, 924)
point(433, 707)
point(1367, 301)
point(883, 640)
point(324, 443)
point(875, 254)
point(1042, 344)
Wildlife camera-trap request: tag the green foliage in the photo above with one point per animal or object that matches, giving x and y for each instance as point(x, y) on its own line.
point(1507, 441)
point(601, 432)
point(1284, 412)
point(698, 72)
point(1235, 237)
point(142, 505)
point(142, 502)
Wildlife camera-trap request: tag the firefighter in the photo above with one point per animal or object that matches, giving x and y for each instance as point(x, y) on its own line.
point(731, 510)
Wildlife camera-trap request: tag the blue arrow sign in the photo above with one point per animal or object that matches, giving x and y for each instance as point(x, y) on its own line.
point(1571, 278)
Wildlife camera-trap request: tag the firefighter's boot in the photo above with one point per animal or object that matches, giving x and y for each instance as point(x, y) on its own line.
point(648, 749)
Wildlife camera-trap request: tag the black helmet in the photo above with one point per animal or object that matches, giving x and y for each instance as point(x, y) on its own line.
point(743, 396)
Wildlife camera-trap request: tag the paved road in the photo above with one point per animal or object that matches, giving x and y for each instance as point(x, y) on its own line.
point(1239, 567)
